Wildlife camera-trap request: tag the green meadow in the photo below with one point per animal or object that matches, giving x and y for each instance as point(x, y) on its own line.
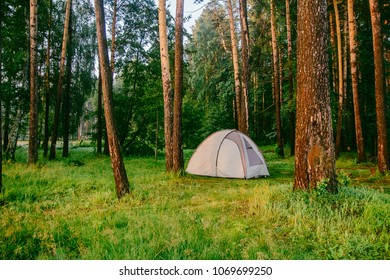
point(68, 209)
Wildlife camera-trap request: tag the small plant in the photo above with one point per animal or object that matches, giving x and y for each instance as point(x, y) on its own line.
point(343, 179)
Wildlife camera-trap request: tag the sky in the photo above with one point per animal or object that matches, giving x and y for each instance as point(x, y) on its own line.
point(190, 9)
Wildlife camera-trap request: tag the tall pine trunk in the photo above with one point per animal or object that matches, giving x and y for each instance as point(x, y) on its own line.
point(117, 164)
point(236, 69)
point(290, 79)
point(245, 66)
point(383, 156)
point(166, 84)
point(55, 127)
point(1, 81)
point(340, 79)
point(67, 93)
point(33, 127)
point(276, 83)
point(178, 162)
point(355, 82)
point(314, 149)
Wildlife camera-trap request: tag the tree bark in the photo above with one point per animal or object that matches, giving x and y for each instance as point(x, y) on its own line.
point(236, 69)
point(245, 66)
point(178, 163)
point(1, 81)
point(54, 134)
point(67, 98)
point(340, 80)
point(290, 79)
point(383, 156)
point(99, 117)
point(33, 127)
point(117, 164)
point(276, 83)
point(314, 150)
point(166, 84)
point(113, 35)
point(355, 82)
point(47, 85)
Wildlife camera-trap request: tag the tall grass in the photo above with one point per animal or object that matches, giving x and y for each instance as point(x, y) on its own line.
point(67, 209)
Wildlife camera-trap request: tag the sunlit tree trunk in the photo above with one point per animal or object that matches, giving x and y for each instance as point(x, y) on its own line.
point(383, 156)
point(166, 84)
point(54, 133)
point(67, 93)
point(236, 69)
point(355, 82)
point(117, 164)
point(33, 127)
point(276, 83)
point(340, 79)
point(314, 149)
point(245, 65)
point(178, 163)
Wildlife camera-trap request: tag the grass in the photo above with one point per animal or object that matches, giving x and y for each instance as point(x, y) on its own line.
point(67, 209)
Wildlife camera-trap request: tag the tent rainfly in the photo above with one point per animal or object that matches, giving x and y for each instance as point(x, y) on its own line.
point(230, 154)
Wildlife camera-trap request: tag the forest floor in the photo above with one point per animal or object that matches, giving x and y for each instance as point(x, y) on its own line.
point(67, 209)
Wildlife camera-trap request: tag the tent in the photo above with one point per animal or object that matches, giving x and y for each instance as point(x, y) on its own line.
point(228, 153)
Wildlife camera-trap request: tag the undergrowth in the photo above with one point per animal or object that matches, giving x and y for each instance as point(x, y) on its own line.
point(67, 209)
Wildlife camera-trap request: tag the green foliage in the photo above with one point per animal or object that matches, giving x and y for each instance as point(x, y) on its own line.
point(60, 211)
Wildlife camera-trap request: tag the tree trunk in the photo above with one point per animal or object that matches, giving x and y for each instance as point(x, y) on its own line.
point(236, 69)
point(47, 85)
point(276, 83)
point(314, 150)
point(340, 79)
point(1, 81)
point(99, 117)
point(67, 98)
point(290, 78)
point(14, 135)
point(383, 156)
point(245, 66)
point(117, 164)
point(178, 163)
point(59, 86)
point(166, 84)
point(355, 82)
point(33, 127)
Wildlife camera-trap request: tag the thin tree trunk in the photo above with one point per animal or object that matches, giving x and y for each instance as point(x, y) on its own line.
point(117, 164)
point(33, 127)
point(7, 120)
point(100, 117)
point(340, 80)
point(355, 82)
point(166, 84)
point(47, 85)
point(276, 83)
point(67, 98)
point(245, 65)
point(54, 134)
point(314, 149)
point(236, 69)
point(178, 163)
point(290, 78)
point(14, 135)
point(383, 156)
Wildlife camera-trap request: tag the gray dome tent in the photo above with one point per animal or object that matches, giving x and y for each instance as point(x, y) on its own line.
point(228, 153)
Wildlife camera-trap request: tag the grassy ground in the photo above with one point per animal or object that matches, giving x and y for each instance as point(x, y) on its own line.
point(67, 209)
